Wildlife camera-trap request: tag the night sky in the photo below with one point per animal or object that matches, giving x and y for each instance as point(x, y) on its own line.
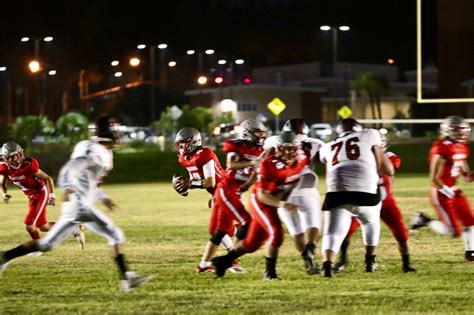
point(262, 32)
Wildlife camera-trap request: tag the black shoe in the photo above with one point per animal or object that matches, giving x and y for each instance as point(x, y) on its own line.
point(340, 265)
point(309, 259)
point(270, 276)
point(418, 220)
point(469, 256)
point(408, 268)
point(370, 265)
point(221, 263)
point(327, 269)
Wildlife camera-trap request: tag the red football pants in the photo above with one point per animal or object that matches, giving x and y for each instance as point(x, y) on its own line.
point(391, 216)
point(229, 209)
point(455, 212)
point(37, 208)
point(265, 225)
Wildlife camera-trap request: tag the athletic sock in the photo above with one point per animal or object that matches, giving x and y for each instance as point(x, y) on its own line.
point(18, 251)
point(271, 265)
point(120, 260)
point(35, 234)
point(204, 264)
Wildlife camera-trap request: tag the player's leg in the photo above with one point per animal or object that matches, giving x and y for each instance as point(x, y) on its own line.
point(343, 257)
point(311, 220)
point(466, 216)
point(336, 224)
point(448, 223)
point(393, 218)
point(369, 217)
point(60, 231)
point(36, 215)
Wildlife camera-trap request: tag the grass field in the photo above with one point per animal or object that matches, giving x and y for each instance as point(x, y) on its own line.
point(166, 234)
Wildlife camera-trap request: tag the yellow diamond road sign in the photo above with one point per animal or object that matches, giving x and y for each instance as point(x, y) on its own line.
point(276, 106)
point(344, 112)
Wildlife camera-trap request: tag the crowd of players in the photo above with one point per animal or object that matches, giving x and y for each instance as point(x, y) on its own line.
point(280, 173)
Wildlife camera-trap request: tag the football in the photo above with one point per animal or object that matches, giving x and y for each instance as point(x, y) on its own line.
point(178, 183)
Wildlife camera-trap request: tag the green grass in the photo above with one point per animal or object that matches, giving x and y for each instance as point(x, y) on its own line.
point(166, 234)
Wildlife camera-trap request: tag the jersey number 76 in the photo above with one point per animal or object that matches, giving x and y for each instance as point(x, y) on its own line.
point(352, 149)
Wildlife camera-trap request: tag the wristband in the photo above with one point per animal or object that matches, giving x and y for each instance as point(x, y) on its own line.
point(5, 195)
point(52, 195)
point(196, 183)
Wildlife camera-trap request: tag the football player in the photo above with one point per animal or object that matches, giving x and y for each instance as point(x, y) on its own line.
point(205, 172)
point(79, 179)
point(278, 174)
point(354, 161)
point(390, 214)
point(448, 161)
point(242, 156)
point(304, 224)
point(25, 173)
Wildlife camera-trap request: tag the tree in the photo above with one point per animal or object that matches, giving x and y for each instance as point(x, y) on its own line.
point(198, 117)
point(372, 86)
point(26, 128)
point(165, 125)
point(72, 127)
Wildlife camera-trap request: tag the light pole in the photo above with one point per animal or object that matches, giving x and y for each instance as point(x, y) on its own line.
point(162, 47)
point(342, 28)
point(200, 54)
point(36, 42)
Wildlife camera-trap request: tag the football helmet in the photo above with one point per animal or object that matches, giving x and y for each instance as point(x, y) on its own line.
point(384, 145)
point(348, 125)
point(456, 129)
point(13, 154)
point(252, 130)
point(104, 129)
point(297, 125)
point(287, 148)
point(187, 141)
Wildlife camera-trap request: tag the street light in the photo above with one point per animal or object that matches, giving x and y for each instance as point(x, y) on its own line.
point(208, 52)
point(162, 47)
point(342, 28)
point(36, 42)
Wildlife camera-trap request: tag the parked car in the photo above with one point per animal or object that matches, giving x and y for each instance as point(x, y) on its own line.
point(321, 131)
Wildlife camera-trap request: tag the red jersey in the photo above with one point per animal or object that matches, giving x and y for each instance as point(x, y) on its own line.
point(455, 154)
point(246, 151)
point(196, 163)
point(386, 181)
point(24, 177)
point(278, 178)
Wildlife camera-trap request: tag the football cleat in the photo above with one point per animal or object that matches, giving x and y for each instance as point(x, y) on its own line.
point(309, 259)
point(419, 220)
point(327, 269)
point(209, 268)
point(270, 276)
point(340, 265)
point(370, 265)
point(221, 263)
point(469, 256)
point(80, 236)
point(133, 281)
point(408, 268)
point(3, 263)
point(236, 268)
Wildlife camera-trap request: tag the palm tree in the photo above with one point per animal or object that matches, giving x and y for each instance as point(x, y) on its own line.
point(372, 86)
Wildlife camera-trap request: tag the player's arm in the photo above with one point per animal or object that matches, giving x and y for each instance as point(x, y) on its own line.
point(436, 171)
point(6, 196)
point(466, 172)
point(265, 197)
point(49, 184)
point(384, 166)
point(234, 162)
point(69, 174)
point(253, 176)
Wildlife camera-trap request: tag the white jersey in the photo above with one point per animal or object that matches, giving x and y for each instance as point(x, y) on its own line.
point(89, 163)
point(350, 162)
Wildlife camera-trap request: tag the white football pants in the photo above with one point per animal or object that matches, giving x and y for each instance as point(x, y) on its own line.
point(308, 214)
point(337, 222)
point(74, 213)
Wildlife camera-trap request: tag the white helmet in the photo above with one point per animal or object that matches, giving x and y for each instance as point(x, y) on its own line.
point(13, 154)
point(456, 129)
point(252, 130)
point(187, 141)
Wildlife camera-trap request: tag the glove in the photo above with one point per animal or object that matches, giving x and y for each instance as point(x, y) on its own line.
point(447, 191)
point(6, 198)
point(469, 177)
point(179, 185)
